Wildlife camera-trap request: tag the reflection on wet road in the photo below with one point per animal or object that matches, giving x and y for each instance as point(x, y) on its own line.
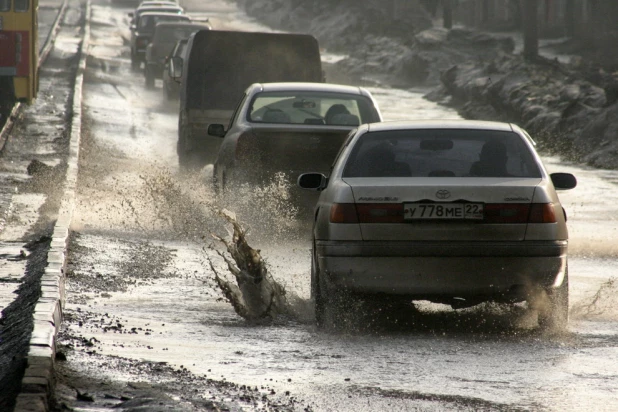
point(484, 358)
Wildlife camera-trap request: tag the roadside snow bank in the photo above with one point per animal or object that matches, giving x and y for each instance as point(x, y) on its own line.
point(568, 112)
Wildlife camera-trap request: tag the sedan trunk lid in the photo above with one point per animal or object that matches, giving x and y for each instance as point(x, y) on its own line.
point(299, 149)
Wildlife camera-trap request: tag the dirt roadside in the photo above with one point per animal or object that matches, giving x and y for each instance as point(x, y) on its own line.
point(571, 109)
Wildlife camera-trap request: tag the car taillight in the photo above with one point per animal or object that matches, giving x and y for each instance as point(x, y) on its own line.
point(542, 213)
point(380, 212)
point(366, 213)
point(519, 213)
point(506, 213)
point(245, 147)
point(142, 41)
point(343, 213)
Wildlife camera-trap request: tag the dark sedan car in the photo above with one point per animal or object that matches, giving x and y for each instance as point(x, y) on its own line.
point(286, 129)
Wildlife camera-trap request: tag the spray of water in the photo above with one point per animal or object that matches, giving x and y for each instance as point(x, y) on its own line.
point(166, 205)
point(188, 209)
point(270, 208)
point(256, 295)
point(604, 301)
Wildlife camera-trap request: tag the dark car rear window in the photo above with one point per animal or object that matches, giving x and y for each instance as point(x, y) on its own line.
point(441, 153)
point(148, 22)
point(311, 107)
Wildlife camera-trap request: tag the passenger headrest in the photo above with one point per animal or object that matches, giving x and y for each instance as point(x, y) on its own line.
point(275, 116)
point(345, 119)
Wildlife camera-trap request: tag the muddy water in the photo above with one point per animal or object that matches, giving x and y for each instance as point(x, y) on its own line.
point(488, 357)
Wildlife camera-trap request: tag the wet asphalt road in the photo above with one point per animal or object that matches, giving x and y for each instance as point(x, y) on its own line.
point(140, 281)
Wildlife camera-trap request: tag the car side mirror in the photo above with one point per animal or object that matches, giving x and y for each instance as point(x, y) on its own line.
point(312, 181)
point(216, 130)
point(563, 181)
point(175, 69)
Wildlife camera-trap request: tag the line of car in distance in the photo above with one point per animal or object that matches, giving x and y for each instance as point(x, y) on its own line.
point(453, 212)
point(142, 27)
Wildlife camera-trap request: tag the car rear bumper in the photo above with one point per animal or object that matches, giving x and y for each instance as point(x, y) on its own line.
point(457, 269)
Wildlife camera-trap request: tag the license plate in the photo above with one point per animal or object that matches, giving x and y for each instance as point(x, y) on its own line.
point(443, 211)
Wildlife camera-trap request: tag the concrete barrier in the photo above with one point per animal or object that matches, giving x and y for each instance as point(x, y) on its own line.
point(38, 383)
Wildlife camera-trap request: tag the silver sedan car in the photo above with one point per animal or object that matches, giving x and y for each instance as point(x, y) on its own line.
point(453, 212)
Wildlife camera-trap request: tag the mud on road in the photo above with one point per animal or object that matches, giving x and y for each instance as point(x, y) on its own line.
point(127, 384)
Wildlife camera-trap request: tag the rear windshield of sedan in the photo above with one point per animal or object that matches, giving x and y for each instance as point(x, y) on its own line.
point(441, 153)
point(316, 108)
point(149, 21)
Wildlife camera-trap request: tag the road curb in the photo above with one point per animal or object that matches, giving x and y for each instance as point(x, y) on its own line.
point(38, 383)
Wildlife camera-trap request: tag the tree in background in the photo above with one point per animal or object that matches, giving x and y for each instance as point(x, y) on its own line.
point(447, 14)
point(432, 7)
point(530, 29)
point(569, 18)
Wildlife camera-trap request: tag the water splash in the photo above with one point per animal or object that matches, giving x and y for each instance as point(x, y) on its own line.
point(257, 295)
point(166, 205)
point(270, 207)
point(603, 302)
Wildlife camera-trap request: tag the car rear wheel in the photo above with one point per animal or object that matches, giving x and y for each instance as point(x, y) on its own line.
point(218, 183)
point(316, 296)
point(190, 162)
point(331, 304)
point(150, 79)
point(554, 313)
point(168, 93)
point(135, 63)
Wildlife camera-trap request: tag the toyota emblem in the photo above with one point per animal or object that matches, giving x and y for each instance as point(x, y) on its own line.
point(443, 194)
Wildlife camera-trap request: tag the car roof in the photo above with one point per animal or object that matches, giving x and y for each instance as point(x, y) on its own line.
point(441, 124)
point(157, 3)
point(159, 9)
point(163, 13)
point(200, 26)
point(159, 6)
point(307, 86)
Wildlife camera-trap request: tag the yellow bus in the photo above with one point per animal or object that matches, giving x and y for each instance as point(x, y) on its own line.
point(19, 51)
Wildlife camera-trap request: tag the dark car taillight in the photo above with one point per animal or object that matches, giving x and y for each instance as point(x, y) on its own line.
point(519, 213)
point(366, 213)
point(343, 213)
point(542, 213)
